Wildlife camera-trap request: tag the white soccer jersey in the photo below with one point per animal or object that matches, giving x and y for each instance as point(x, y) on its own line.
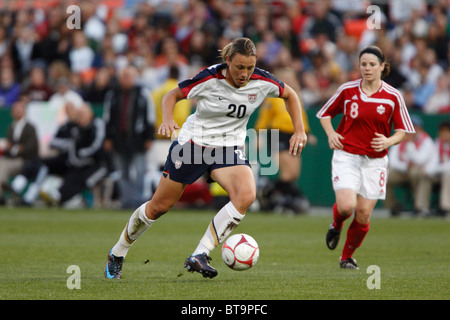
point(222, 110)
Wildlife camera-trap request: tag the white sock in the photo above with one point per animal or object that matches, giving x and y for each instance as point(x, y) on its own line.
point(136, 226)
point(220, 227)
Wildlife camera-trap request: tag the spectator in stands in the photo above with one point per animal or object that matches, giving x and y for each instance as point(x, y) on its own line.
point(408, 95)
point(283, 32)
point(438, 36)
point(403, 10)
point(435, 70)
point(425, 89)
point(53, 44)
point(439, 167)
point(395, 77)
point(311, 94)
point(202, 52)
point(95, 92)
point(63, 95)
point(22, 50)
point(56, 70)
point(346, 51)
point(77, 82)
point(407, 163)
point(326, 71)
point(9, 88)
point(234, 27)
point(22, 145)
point(81, 56)
point(129, 114)
point(413, 28)
point(260, 25)
point(93, 24)
point(439, 102)
point(322, 20)
point(36, 171)
point(79, 162)
point(86, 163)
point(170, 55)
point(37, 88)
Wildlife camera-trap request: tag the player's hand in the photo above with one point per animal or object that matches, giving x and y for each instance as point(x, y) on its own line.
point(297, 143)
point(379, 143)
point(167, 127)
point(334, 141)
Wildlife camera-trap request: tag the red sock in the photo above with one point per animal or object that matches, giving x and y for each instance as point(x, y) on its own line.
point(338, 220)
point(355, 236)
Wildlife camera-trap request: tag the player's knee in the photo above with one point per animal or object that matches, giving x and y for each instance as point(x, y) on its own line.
point(346, 208)
point(157, 208)
point(362, 215)
point(244, 200)
point(363, 218)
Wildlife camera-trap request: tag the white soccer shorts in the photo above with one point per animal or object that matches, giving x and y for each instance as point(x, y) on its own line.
point(366, 176)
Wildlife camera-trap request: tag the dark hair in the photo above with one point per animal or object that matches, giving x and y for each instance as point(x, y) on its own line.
point(444, 125)
point(379, 54)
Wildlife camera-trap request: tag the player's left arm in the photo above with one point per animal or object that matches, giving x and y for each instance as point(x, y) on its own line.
point(294, 108)
point(381, 142)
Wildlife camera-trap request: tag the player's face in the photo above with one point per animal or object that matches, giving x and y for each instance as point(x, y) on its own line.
point(444, 134)
point(240, 69)
point(370, 67)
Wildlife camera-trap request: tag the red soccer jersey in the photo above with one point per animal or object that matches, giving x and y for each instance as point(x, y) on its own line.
point(363, 116)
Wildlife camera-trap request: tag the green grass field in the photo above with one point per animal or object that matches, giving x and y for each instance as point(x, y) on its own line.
point(38, 245)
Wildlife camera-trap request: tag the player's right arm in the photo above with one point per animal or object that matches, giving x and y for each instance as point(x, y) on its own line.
point(331, 108)
point(169, 125)
point(334, 138)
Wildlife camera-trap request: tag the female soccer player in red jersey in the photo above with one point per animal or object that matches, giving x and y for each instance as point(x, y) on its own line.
point(370, 108)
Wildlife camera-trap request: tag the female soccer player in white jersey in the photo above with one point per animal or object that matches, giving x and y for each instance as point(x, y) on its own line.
point(370, 108)
point(211, 141)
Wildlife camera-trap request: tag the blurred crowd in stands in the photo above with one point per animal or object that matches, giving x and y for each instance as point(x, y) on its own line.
point(42, 59)
point(319, 39)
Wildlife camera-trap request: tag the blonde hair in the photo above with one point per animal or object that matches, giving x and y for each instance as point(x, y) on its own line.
point(243, 46)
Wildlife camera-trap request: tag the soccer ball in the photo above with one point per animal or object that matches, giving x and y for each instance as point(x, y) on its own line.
point(240, 252)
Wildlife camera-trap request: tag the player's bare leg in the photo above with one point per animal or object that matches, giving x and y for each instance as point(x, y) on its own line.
point(239, 183)
point(342, 210)
point(166, 195)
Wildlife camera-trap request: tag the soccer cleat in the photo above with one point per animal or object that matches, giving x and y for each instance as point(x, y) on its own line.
point(349, 263)
point(200, 263)
point(113, 268)
point(332, 238)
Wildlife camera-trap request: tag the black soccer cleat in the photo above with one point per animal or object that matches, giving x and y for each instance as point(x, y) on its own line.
point(332, 238)
point(349, 263)
point(200, 263)
point(113, 268)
